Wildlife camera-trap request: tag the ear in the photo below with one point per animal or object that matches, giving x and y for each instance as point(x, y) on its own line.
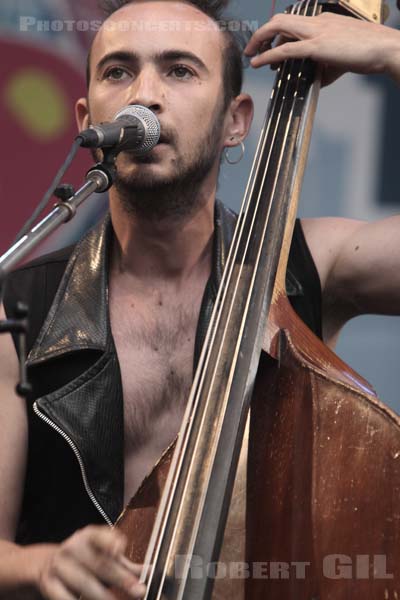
point(240, 117)
point(82, 114)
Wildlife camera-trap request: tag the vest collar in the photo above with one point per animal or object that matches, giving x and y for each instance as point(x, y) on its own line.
point(79, 317)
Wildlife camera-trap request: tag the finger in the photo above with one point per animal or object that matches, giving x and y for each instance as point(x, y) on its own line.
point(281, 53)
point(279, 41)
point(79, 581)
point(106, 540)
point(132, 567)
point(114, 570)
point(138, 591)
point(55, 590)
point(99, 551)
point(291, 26)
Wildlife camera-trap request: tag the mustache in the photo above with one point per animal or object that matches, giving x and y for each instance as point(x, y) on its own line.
point(167, 135)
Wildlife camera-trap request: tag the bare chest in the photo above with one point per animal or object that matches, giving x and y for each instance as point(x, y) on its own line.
point(155, 347)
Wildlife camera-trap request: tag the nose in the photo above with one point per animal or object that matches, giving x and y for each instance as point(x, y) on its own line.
point(147, 90)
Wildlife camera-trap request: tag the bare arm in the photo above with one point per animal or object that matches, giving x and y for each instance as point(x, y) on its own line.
point(87, 562)
point(358, 262)
point(13, 438)
point(359, 267)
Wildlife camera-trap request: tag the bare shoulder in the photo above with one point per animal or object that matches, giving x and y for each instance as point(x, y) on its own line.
point(326, 237)
point(13, 438)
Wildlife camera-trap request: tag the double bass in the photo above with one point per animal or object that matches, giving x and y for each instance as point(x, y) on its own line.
point(284, 480)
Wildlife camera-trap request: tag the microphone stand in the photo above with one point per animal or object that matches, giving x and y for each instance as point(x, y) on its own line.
point(98, 179)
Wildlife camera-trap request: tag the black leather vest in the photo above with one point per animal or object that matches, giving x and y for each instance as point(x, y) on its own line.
point(75, 470)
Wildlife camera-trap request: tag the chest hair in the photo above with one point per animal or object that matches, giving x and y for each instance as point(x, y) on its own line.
point(155, 346)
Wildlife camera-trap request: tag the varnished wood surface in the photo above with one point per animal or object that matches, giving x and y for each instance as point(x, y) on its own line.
point(323, 478)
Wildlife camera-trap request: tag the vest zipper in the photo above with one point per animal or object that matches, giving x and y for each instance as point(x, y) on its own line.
point(80, 461)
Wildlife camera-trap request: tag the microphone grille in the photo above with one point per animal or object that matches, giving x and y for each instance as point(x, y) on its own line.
point(150, 123)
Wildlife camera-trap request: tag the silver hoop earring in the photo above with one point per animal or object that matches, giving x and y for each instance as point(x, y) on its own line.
point(237, 161)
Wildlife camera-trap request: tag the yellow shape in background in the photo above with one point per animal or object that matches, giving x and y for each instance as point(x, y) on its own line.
point(38, 102)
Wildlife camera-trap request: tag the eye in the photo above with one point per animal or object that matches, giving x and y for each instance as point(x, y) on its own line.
point(181, 72)
point(115, 74)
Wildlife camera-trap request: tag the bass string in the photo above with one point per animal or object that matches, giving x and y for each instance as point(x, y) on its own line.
point(235, 250)
point(291, 116)
point(236, 242)
point(192, 402)
point(232, 368)
point(227, 276)
point(232, 257)
point(197, 384)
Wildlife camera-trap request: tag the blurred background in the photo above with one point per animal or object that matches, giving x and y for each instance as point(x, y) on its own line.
point(352, 170)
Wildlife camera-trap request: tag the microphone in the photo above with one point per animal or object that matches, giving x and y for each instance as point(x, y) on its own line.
point(135, 128)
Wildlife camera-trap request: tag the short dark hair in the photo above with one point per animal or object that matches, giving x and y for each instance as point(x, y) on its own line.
point(236, 37)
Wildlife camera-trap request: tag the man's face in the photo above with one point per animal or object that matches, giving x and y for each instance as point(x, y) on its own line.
point(166, 56)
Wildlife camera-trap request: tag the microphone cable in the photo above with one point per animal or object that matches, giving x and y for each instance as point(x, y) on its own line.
point(50, 192)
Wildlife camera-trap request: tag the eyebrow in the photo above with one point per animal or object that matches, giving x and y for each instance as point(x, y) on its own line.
point(161, 57)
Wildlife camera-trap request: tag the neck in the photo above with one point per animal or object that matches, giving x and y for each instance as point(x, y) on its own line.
point(170, 249)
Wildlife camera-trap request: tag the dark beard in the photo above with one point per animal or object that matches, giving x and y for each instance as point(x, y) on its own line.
point(178, 196)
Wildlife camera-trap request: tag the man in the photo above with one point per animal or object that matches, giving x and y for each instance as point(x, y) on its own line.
point(143, 277)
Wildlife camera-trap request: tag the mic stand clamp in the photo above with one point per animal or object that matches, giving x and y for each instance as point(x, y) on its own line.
point(64, 192)
point(98, 179)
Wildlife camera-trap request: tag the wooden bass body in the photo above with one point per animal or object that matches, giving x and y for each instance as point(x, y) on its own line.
point(315, 511)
